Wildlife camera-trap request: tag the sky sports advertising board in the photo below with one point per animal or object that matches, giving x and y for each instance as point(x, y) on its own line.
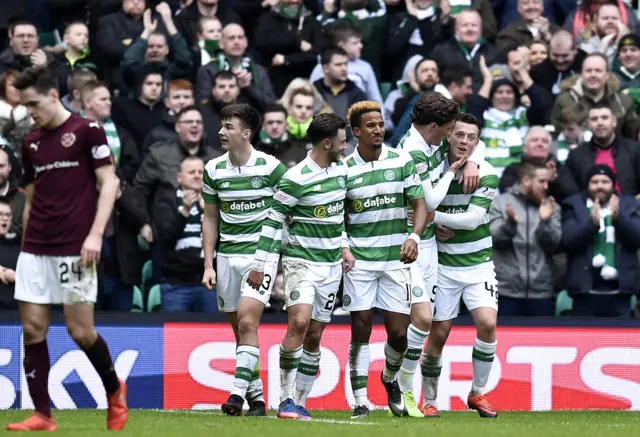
point(191, 366)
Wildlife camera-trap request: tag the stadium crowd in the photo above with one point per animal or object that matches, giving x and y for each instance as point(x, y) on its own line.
point(555, 84)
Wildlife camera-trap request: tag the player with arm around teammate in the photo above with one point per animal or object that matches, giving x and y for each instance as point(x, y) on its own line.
point(64, 159)
point(433, 116)
point(381, 182)
point(238, 187)
point(311, 195)
point(465, 270)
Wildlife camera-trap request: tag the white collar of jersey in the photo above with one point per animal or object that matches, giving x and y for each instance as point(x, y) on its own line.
point(384, 154)
point(419, 138)
point(314, 165)
point(250, 162)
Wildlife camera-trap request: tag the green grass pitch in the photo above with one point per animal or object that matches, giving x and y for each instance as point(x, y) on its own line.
point(144, 423)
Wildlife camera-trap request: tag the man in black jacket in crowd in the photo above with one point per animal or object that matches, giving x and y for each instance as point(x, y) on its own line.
point(564, 61)
point(144, 112)
point(9, 251)
point(187, 20)
point(162, 163)
point(606, 147)
point(177, 217)
point(115, 33)
point(335, 87)
point(225, 92)
point(601, 235)
point(179, 95)
point(11, 191)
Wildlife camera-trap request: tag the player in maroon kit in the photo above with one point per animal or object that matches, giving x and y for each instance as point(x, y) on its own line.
point(65, 158)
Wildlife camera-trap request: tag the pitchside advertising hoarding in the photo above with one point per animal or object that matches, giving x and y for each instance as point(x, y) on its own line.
point(191, 366)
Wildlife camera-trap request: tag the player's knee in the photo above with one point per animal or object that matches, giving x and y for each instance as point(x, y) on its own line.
point(422, 321)
point(247, 325)
point(298, 324)
point(34, 330)
point(486, 328)
point(439, 334)
point(82, 336)
point(397, 338)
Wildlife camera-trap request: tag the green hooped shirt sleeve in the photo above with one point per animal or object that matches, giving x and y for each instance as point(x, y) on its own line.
point(276, 175)
point(287, 196)
point(486, 191)
point(209, 194)
point(412, 184)
point(421, 162)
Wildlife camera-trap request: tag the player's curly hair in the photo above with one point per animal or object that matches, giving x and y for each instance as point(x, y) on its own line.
point(433, 107)
point(358, 109)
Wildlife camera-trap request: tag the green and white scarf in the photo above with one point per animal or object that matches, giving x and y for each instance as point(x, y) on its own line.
point(245, 64)
point(113, 140)
point(604, 244)
point(503, 133)
point(458, 6)
point(563, 146)
point(470, 54)
point(191, 237)
point(266, 139)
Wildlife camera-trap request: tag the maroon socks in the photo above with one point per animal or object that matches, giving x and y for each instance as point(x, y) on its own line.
point(36, 368)
point(100, 357)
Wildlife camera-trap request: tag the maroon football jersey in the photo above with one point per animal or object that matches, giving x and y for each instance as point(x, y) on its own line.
point(61, 164)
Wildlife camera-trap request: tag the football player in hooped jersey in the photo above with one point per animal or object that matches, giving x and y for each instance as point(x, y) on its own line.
point(465, 270)
point(239, 186)
point(433, 116)
point(64, 159)
point(311, 194)
point(381, 182)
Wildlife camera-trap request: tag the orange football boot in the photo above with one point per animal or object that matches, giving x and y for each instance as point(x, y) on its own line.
point(482, 406)
point(37, 422)
point(118, 412)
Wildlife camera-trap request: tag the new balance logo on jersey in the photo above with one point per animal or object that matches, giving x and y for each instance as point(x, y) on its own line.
point(317, 187)
point(358, 181)
point(224, 185)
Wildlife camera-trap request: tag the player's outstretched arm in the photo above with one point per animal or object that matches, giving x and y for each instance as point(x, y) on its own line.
point(209, 238)
point(479, 204)
point(109, 185)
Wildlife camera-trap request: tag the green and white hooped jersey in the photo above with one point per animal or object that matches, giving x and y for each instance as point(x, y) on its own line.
point(377, 197)
point(313, 198)
point(469, 249)
point(429, 161)
point(503, 133)
point(243, 195)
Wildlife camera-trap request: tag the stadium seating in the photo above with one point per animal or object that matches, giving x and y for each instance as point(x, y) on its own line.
point(564, 303)
point(154, 299)
point(138, 300)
